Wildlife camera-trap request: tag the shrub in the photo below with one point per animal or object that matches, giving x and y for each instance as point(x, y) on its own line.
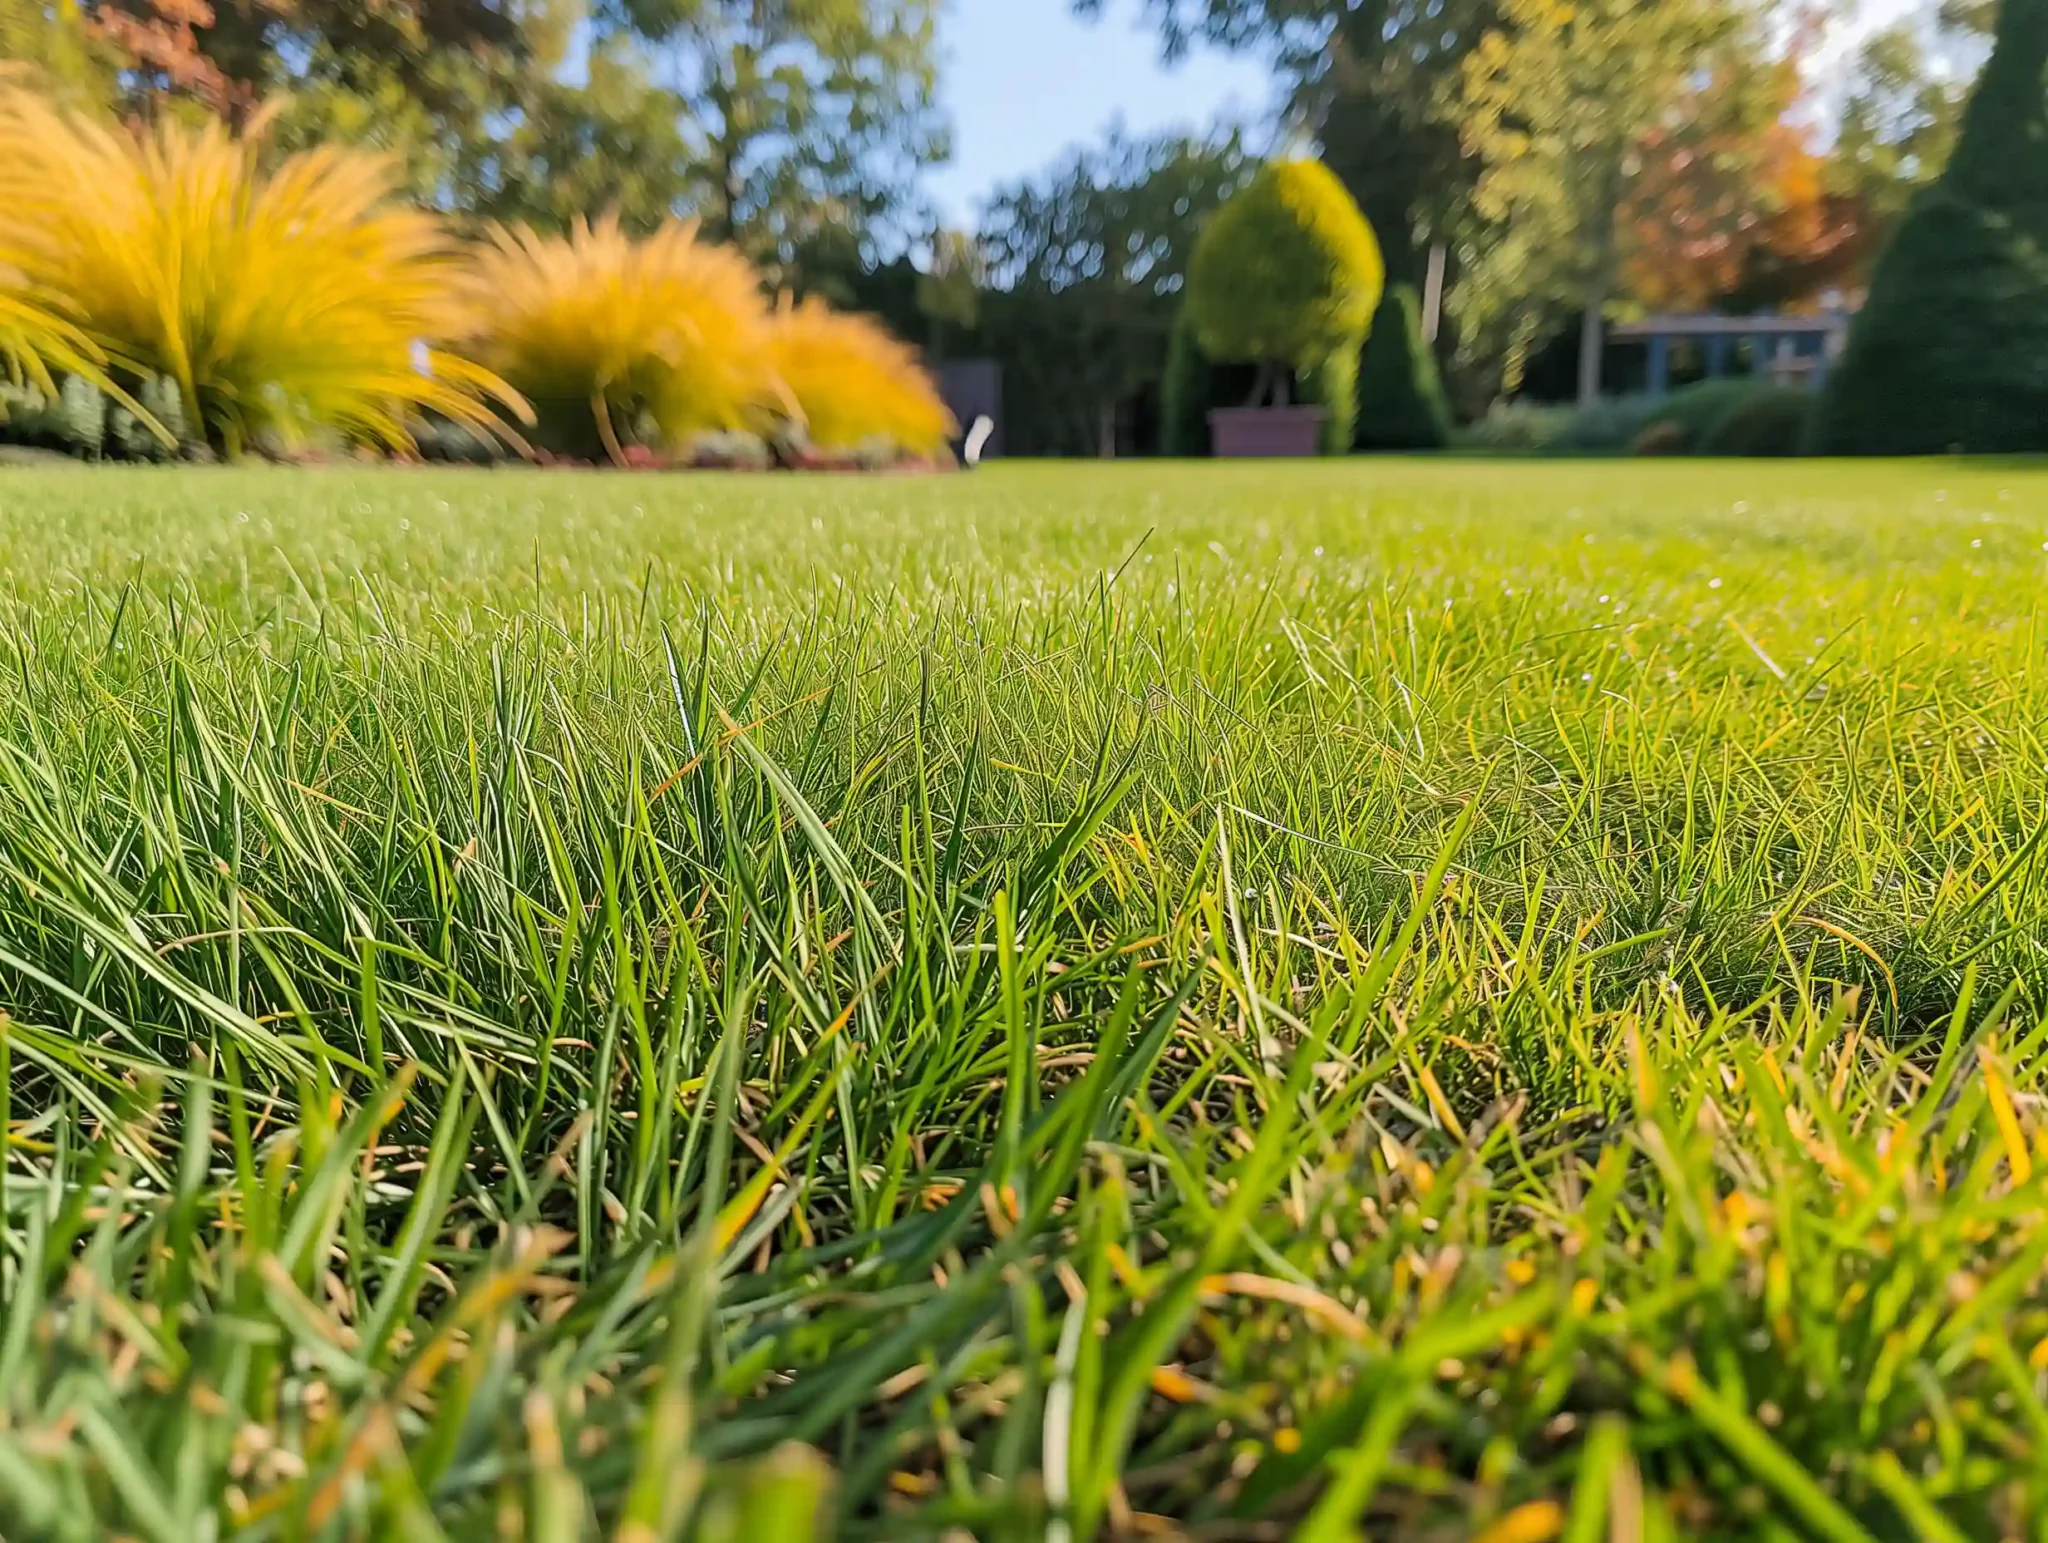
point(850, 384)
point(1662, 438)
point(1401, 402)
point(1516, 428)
point(1332, 384)
point(1194, 385)
point(1606, 427)
point(730, 450)
point(1733, 416)
point(438, 440)
point(1673, 423)
point(79, 416)
point(279, 303)
point(1769, 421)
point(71, 416)
point(1692, 411)
point(614, 339)
point(1286, 275)
point(1951, 349)
point(1185, 393)
point(136, 438)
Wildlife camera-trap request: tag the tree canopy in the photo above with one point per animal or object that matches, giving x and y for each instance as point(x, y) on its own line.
point(1086, 266)
point(794, 113)
point(1374, 82)
point(769, 122)
point(1574, 112)
point(1902, 104)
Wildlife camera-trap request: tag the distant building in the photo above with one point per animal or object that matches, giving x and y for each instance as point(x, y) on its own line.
point(1789, 350)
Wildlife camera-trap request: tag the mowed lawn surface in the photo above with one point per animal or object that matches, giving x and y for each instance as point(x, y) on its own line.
point(1382, 999)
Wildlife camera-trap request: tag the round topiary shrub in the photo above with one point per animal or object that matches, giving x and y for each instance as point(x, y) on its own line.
point(1286, 276)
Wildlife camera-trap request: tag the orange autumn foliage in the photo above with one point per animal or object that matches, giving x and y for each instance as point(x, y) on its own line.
point(1701, 241)
point(160, 40)
point(1732, 211)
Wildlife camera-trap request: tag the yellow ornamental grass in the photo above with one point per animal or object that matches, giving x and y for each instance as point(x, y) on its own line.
point(35, 334)
point(615, 338)
point(278, 303)
point(852, 382)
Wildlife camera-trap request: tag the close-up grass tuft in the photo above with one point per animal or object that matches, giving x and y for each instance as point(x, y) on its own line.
point(1376, 1000)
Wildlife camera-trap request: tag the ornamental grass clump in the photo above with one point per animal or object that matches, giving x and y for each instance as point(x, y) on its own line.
point(621, 340)
point(36, 336)
point(285, 302)
point(852, 384)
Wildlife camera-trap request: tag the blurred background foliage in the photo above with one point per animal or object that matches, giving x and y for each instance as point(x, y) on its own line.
point(1718, 154)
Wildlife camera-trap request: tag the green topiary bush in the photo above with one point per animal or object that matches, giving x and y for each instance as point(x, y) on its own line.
point(1401, 403)
point(1951, 349)
point(1333, 386)
point(1185, 395)
point(1286, 276)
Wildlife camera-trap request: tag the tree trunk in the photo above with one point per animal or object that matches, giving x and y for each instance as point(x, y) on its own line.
point(1433, 293)
point(1592, 337)
point(1262, 385)
point(723, 223)
point(1592, 325)
point(720, 220)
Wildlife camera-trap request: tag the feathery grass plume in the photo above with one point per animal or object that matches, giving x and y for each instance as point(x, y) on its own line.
point(280, 302)
point(616, 338)
point(851, 381)
point(36, 336)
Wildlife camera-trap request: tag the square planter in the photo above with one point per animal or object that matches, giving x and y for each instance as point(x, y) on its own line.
point(1236, 432)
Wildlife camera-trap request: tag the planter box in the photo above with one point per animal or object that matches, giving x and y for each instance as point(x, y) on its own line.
point(1266, 431)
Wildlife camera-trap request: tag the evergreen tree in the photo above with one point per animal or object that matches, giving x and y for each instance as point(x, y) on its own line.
point(1951, 351)
point(1401, 402)
point(1187, 393)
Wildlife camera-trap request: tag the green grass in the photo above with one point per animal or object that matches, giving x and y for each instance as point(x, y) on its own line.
point(1376, 1000)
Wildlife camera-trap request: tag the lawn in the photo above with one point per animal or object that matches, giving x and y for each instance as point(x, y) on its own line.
point(1374, 999)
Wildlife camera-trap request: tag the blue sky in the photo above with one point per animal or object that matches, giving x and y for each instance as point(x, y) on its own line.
point(1023, 80)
